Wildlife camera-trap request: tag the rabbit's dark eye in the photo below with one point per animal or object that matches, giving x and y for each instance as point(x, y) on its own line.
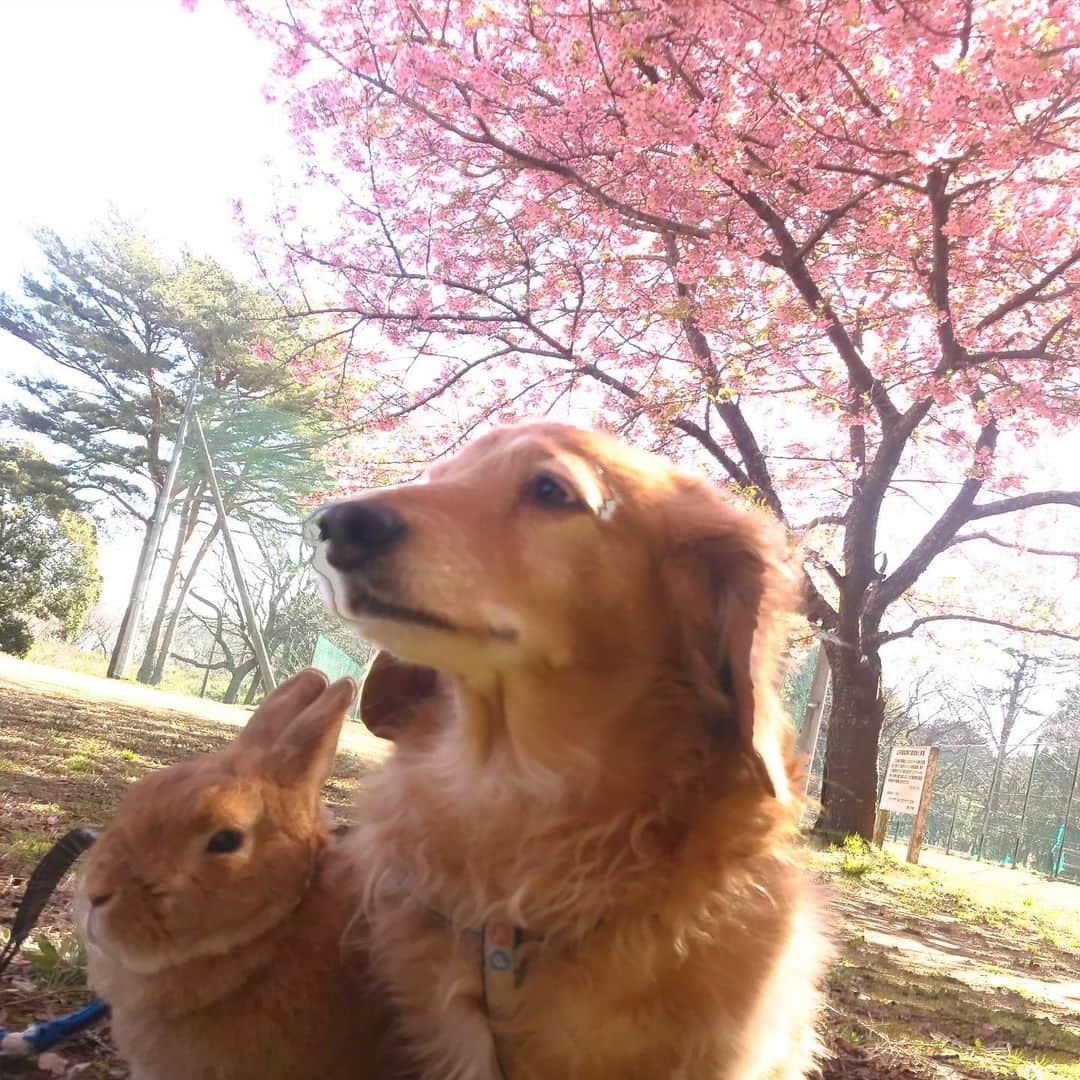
point(225, 841)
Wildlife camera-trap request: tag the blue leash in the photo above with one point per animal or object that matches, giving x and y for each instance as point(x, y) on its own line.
point(44, 1034)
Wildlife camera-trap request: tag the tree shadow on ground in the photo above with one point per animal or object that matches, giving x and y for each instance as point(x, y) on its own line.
point(926, 984)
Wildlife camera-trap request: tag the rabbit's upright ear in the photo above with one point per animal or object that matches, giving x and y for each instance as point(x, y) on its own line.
point(303, 754)
point(280, 707)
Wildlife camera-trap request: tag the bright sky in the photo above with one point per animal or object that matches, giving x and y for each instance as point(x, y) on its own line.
point(137, 102)
point(159, 112)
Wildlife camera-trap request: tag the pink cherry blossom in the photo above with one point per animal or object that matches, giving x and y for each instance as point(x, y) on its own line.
point(820, 247)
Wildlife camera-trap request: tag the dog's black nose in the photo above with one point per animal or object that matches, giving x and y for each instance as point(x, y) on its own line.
point(358, 530)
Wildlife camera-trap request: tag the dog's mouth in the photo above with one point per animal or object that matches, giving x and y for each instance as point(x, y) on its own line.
point(362, 601)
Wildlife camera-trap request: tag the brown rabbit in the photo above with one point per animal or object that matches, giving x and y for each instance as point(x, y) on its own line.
point(215, 905)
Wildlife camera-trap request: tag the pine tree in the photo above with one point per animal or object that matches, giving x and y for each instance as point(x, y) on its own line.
point(128, 330)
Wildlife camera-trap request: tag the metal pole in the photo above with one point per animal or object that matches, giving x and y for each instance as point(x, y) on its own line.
point(269, 682)
point(806, 740)
point(990, 800)
point(129, 627)
point(1023, 811)
point(1068, 810)
point(956, 805)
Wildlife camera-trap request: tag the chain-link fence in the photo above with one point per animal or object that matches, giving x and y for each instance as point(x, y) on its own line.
point(1020, 809)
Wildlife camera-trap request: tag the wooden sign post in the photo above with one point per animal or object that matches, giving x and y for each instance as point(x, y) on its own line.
point(909, 784)
point(881, 823)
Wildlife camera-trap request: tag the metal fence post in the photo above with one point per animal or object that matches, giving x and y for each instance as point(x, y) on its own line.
point(998, 762)
point(956, 803)
point(1023, 811)
point(1068, 810)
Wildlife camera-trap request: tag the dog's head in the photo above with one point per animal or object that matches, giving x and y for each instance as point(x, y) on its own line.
point(544, 548)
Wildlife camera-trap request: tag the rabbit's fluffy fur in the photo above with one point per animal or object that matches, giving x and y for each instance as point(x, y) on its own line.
point(230, 964)
point(602, 761)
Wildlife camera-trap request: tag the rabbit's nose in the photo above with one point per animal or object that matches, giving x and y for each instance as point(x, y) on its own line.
point(359, 530)
point(99, 899)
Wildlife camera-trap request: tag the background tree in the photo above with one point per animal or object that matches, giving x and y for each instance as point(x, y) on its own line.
point(1008, 705)
point(48, 550)
point(98, 633)
point(829, 250)
point(128, 329)
point(290, 614)
point(1009, 708)
point(1063, 726)
point(916, 716)
point(266, 463)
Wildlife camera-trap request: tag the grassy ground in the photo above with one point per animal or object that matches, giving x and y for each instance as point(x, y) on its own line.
point(178, 679)
point(941, 972)
point(69, 746)
point(953, 969)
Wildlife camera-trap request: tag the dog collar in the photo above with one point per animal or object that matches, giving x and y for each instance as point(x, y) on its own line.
point(502, 968)
point(503, 971)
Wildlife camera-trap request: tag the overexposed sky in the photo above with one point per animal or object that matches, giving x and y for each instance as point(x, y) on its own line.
point(137, 102)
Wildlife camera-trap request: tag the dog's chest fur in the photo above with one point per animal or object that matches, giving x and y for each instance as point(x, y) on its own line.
point(727, 993)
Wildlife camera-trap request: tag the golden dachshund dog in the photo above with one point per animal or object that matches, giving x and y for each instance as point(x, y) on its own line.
point(578, 861)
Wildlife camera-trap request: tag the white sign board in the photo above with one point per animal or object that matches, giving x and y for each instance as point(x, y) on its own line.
point(904, 779)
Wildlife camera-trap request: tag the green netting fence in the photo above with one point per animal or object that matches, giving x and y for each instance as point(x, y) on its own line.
point(795, 688)
point(335, 663)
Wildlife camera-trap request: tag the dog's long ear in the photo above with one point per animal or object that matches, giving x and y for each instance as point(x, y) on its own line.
point(392, 692)
point(731, 587)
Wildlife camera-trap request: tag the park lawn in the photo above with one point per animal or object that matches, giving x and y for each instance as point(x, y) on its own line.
point(66, 761)
point(936, 976)
point(972, 972)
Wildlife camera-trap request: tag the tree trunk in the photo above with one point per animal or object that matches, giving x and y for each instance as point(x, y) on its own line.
point(849, 782)
point(188, 515)
point(141, 568)
point(232, 691)
point(174, 617)
point(253, 689)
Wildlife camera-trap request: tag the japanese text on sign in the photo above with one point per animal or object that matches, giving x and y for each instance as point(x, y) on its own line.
point(904, 779)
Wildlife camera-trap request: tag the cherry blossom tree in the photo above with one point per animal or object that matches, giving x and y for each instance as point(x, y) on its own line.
point(825, 249)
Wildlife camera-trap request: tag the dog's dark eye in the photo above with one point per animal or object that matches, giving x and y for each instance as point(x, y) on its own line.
point(225, 841)
point(547, 491)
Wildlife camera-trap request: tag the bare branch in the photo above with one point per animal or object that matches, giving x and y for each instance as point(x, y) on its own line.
point(883, 639)
point(821, 519)
point(937, 538)
point(964, 538)
point(1024, 502)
